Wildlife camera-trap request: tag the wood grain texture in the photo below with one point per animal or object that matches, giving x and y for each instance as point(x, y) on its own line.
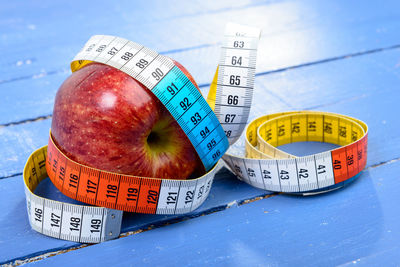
point(336, 56)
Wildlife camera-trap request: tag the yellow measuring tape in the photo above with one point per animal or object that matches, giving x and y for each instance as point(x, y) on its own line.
point(230, 98)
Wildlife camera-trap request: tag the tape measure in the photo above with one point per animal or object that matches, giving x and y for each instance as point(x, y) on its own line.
point(210, 133)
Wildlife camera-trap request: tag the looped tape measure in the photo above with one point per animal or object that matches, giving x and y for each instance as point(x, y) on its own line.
point(269, 168)
point(210, 126)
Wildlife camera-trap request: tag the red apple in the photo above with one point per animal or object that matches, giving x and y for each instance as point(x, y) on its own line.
point(105, 119)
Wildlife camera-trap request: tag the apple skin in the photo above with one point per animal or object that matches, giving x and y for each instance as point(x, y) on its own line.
point(103, 118)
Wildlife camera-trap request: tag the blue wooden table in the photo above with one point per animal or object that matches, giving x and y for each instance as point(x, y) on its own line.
point(337, 56)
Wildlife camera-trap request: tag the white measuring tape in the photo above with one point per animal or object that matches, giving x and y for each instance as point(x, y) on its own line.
point(230, 97)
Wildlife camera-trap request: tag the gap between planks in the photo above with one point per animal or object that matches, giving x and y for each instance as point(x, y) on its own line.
point(40, 118)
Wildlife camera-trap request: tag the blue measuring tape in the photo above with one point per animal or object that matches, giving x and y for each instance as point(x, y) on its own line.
point(169, 84)
point(198, 121)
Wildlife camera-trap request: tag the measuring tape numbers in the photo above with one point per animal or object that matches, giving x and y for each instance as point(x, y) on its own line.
point(125, 192)
point(231, 91)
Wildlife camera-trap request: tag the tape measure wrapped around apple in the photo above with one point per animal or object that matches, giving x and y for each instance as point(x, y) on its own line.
point(110, 136)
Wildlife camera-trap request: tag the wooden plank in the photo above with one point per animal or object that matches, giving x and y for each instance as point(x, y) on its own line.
point(32, 73)
point(17, 142)
point(344, 98)
point(359, 224)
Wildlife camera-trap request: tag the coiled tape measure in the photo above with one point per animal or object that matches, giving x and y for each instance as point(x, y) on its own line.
point(210, 132)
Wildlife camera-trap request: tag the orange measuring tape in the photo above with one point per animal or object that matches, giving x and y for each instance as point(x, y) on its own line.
point(123, 192)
